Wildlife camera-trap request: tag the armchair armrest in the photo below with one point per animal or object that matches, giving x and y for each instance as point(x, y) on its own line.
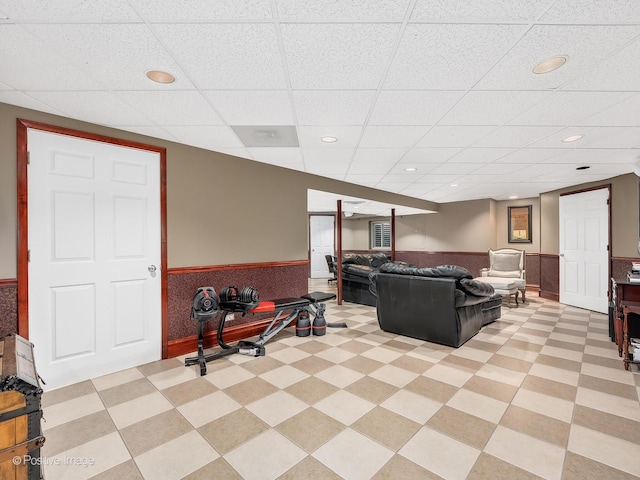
point(484, 272)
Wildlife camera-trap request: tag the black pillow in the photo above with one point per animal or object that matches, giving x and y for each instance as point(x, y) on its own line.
point(475, 287)
point(451, 271)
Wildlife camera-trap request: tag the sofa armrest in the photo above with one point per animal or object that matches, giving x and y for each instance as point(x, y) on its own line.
point(484, 272)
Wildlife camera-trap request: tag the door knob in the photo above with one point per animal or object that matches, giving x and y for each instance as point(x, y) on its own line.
point(562, 254)
point(152, 268)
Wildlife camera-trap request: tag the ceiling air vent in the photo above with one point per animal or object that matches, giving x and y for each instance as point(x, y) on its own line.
point(267, 136)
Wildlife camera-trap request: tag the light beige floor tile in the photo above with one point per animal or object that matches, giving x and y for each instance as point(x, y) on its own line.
point(536, 425)
point(607, 423)
point(392, 375)
point(428, 354)
point(311, 390)
point(562, 353)
point(344, 406)
point(284, 376)
point(411, 405)
point(479, 405)
point(187, 391)
point(232, 430)
point(440, 454)
point(76, 432)
point(88, 459)
point(528, 453)
point(124, 471)
point(339, 376)
point(563, 337)
point(277, 407)
point(553, 407)
point(381, 354)
point(400, 467)
point(73, 409)
point(335, 354)
point(577, 467)
point(611, 353)
point(218, 469)
point(386, 427)
point(450, 375)
point(117, 378)
point(622, 407)
point(141, 408)
point(250, 390)
point(177, 458)
point(370, 389)
point(606, 449)
point(470, 353)
point(352, 455)
point(126, 391)
point(174, 376)
point(271, 455)
point(310, 429)
point(491, 388)
point(555, 374)
point(500, 374)
point(490, 467)
point(332, 340)
point(208, 408)
point(70, 392)
point(476, 431)
point(229, 376)
point(153, 432)
point(288, 355)
point(526, 355)
point(617, 375)
point(309, 468)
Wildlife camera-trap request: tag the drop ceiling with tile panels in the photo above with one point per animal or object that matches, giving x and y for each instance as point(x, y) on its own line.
point(442, 87)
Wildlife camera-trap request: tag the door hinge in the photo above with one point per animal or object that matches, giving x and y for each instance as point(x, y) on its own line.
point(28, 158)
point(607, 248)
point(28, 256)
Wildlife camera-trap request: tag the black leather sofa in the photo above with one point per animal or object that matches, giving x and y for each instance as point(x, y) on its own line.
point(356, 268)
point(441, 304)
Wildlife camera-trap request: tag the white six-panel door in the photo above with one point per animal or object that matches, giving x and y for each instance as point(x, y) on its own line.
point(584, 258)
point(321, 232)
point(95, 255)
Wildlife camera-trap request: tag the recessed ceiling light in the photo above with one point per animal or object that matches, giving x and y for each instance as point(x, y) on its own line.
point(410, 169)
point(550, 64)
point(454, 185)
point(329, 139)
point(572, 138)
point(160, 76)
point(584, 167)
point(513, 197)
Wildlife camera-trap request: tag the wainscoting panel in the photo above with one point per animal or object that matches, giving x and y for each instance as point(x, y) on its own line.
point(550, 276)
point(273, 280)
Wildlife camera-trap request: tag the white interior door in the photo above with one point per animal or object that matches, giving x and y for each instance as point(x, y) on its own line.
point(321, 232)
point(584, 256)
point(95, 248)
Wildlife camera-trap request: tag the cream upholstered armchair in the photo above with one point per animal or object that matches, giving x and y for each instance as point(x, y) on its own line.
point(507, 263)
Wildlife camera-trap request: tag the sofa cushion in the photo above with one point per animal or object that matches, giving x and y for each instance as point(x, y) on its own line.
point(355, 258)
point(451, 271)
point(378, 259)
point(357, 270)
point(398, 269)
point(475, 287)
point(504, 273)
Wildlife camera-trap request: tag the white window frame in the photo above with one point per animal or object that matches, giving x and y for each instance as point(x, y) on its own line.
point(380, 235)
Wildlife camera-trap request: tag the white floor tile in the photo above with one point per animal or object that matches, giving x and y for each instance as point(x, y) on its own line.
point(344, 406)
point(276, 408)
point(208, 408)
point(606, 449)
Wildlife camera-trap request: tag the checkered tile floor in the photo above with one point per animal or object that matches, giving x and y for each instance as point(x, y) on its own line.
point(541, 393)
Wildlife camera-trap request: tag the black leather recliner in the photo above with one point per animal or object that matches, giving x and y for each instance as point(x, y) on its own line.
point(442, 304)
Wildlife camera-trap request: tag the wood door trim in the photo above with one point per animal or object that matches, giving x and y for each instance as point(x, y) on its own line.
point(22, 126)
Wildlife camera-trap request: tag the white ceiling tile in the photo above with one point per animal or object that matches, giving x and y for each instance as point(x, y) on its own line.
point(172, 108)
point(289, 157)
point(391, 187)
point(70, 11)
point(375, 160)
point(592, 135)
point(337, 56)
point(364, 179)
point(491, 108)
point(20, 99)
point(404, 178)
point(515, 136)
point(450, 136)
point(622, 114)
point(439, 179)
point(332, 107)
point(312, 136)
point(412, 107)
point(117, 55)
point(626, 138)
point(498, 169)
point(568, 108)
point(608, 170)
point(596, 155)
point(342, 11)
point(320, 162)
point(587, 11)
point(103, 108)
point(5, 87)
point(531, 155)
point(480, 155)
point(435, 56)
point(583, 45)
point(618, 72)
point(226, 56)
point(149, 131)
point(420, 169)
point(475, 179)
point(203, 10)
point(236, 152)
point(21, 51)
point(456, 168)
point(209, 137)
point(252, 107)
point(429, 155)
point(394, 136)
point(478, 11)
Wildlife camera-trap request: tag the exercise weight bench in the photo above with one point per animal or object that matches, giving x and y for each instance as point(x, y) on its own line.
point(307, 311)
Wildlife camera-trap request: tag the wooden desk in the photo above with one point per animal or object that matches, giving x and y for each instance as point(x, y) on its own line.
point(626, 299)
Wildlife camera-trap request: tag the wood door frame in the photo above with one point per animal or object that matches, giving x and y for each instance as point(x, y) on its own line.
point(22, 127)
point(610, 234)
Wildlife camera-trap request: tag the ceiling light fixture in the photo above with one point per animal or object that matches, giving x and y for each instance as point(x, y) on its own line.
point(584, 167)
point(550, 64)
point(329, 139)
point(410, 169)
point(572, 138)
point(160, 76)
point(454, 185)
point(513, 197)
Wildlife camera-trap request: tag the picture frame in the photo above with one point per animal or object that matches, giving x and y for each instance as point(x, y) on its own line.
point(519, 220)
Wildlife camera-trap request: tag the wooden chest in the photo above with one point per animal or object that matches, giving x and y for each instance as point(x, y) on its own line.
point(20, 411)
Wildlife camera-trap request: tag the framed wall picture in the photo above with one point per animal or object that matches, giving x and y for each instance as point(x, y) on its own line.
point(520, 224)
